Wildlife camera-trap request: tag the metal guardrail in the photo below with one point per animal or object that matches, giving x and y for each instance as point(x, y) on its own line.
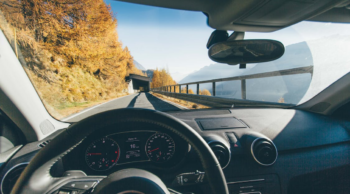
point(215, 101)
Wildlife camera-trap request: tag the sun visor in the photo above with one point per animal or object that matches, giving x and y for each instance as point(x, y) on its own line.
point(251, 15)
point(338, 15)
point(265, 16)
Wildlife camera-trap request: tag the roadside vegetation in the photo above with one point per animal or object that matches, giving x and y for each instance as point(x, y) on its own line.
point(69, 49)
point(161, 77)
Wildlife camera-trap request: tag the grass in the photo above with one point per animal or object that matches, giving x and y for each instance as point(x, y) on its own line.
point(65, 109)
point(66, 105)
point(69, 108)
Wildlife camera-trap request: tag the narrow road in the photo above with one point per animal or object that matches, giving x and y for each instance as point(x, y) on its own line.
point(138, 100)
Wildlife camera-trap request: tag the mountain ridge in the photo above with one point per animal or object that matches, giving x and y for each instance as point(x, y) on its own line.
point(139, 66)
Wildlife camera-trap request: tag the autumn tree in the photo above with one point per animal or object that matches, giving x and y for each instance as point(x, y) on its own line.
point(156, 79)
point(281, 100)
point(205, 92)
point(162, 78)
point(70, 48)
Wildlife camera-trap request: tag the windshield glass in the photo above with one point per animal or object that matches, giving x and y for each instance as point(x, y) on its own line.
point(85, 57)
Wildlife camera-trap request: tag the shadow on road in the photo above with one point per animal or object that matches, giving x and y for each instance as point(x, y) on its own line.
point(132, 102)
point(160, 104)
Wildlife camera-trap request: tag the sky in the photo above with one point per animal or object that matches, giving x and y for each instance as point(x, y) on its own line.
point(176, 39)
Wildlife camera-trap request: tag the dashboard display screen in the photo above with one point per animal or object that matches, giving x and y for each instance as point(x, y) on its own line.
point(132, 148)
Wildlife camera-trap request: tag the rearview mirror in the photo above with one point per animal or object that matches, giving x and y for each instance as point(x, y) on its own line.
point(246, 51)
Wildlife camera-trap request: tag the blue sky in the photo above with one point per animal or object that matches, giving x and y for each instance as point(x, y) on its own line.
point(176, 39)
point(159, 37)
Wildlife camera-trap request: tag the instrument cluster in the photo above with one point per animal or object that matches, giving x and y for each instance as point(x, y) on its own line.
point(158, 148)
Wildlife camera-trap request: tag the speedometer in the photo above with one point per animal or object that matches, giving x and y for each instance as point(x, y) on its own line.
point(160, 147)
point(102, 154)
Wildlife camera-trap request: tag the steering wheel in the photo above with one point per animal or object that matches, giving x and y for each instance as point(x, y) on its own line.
point(36, 178)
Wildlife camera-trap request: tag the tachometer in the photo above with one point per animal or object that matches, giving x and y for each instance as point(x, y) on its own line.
point(102, 154)
point(160, 147)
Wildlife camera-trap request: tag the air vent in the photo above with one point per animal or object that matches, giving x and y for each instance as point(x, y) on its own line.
point(44, 143)
point(264, 151)
point(221, 152)
point(11, 177)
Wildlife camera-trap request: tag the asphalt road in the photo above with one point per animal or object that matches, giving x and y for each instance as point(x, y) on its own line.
point(138, 100)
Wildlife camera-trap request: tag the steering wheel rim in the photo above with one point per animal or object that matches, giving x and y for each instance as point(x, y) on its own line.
point(36, 177)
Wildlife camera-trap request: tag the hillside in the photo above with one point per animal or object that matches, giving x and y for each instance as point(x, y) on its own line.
point(70, 51)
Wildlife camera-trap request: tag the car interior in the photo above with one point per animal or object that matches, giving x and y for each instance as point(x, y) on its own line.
point(303, 149)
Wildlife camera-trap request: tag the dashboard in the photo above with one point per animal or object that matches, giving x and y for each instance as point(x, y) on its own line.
point(310, 153)
point(100, 154)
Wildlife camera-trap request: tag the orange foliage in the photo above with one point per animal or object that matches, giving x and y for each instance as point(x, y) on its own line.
point(162, 78)
point(69, 48)
point(205, 92)
point(83, 33)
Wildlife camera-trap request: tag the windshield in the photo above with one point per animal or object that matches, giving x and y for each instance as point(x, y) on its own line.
point(85, 57)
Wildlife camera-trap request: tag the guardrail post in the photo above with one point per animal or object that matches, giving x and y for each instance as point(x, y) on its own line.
point(186, 89)
point(197, 89)
point(243, 89)
point(214, 92)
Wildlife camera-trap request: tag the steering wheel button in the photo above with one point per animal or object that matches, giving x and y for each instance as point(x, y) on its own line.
point(64, 192)
point(85, 185)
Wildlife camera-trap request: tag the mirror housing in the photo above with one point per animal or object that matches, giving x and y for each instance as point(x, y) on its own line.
point(246, 51)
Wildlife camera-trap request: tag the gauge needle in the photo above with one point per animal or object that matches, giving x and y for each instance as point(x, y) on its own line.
point(153, 150)
point(94, 153)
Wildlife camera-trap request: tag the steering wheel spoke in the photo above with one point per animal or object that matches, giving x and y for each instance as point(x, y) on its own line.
point(75, 185)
